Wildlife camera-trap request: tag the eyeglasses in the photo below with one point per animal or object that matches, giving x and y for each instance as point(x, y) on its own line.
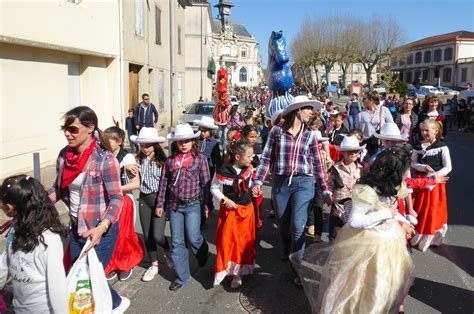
point(70, 128)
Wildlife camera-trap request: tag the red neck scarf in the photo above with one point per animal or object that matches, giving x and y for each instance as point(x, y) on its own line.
point(183, 160)
point(74, 163)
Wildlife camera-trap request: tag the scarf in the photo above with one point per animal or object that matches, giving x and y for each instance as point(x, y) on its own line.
point(74, 163)
point(228, 176)
point(182, 161)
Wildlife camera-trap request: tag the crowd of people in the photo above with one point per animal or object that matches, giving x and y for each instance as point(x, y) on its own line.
point(356, 162)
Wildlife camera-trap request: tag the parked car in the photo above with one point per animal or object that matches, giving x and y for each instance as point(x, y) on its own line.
point(468, 95)
point(429, 90)
point(234, 100)
point(379, 88)
point(196, 111)
point(448, 91)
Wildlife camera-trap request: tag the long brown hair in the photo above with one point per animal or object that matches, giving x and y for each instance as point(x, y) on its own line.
point(87, 118)
point(426, 102)
point(159, 156)
point(289, 120)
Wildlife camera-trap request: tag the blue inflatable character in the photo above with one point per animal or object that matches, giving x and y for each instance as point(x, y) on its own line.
point(280, 78)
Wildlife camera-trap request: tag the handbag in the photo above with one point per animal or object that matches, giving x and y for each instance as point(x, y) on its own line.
point(87, 286)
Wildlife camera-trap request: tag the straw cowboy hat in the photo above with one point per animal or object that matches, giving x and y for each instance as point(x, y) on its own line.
point(300, 102)
point(147, 136)
point(206, 122)
point(183, 132)
point(320, 137)
point(390, 131)
point(349, 143)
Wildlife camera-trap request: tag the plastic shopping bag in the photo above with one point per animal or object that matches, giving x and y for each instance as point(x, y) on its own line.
point(87, 286)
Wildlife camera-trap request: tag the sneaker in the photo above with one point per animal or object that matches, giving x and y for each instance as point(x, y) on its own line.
point(124, 305)
point(111, 275)
point(236, 282)
point(150, 273)
point(310, 230)
point(124, 275)
point(169, 261)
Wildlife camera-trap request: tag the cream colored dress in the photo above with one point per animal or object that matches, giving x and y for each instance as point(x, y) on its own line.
point(368, 269)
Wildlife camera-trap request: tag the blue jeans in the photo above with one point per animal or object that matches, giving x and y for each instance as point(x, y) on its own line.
point(222, 133)
point(185, 222)
point(104, 252)
point(352, 120)
point(292, 204)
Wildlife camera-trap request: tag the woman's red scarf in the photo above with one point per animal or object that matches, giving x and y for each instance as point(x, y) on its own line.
point(183, 160)
point(74, 163)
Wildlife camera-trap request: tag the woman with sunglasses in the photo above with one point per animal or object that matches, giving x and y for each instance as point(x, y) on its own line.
point(370, 120)
point(407, 120)
point(88, 182)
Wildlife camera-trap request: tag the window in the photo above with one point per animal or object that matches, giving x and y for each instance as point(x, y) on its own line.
point(394, 62)
point(179, 40)
point(243, 75)
point(139, 29)
point(161, 91)
point(448, 54)
point(463, 74)
point(157, 26)
point(418, 57)
point(74, 84)
point(437, 55)
point(227, 50)
point(409, 77)
point(74, 1)
point(358, 68)
point(447, 75)
point(410, 59)
point(243, 53)
point(427, 57)
point(425, 74)
point(401, 62)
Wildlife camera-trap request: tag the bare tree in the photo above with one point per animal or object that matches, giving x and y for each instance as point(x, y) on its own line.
point(377, 43)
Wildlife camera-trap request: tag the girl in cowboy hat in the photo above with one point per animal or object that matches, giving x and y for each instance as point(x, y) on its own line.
point(209, 147)
point(185, 179)
point(292, 150)
point(150, 159)
point(342, 177)
point(235, 234)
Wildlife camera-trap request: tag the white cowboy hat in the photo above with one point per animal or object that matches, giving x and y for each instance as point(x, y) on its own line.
point(390, 131)
point(147, 136)
point(320, 137)
point(183, 132)
point(301, 101)
point(206, 122)
point(349, 143)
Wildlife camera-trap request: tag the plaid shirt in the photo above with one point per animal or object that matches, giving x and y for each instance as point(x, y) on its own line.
point(279, 153)
point(150, 173)
point(100, 194)
point(192, 180)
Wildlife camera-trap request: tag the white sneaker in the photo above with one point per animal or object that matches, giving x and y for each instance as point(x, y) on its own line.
point(150, 273)
point(124, 305)
point(236, 282)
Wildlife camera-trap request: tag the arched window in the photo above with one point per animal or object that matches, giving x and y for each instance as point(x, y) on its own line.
point(448, 54)
point(243, 75)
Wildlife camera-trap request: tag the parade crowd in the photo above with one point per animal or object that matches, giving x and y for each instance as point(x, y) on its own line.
point(381, 171)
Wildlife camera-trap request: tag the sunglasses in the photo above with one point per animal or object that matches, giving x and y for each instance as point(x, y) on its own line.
point(70, 128)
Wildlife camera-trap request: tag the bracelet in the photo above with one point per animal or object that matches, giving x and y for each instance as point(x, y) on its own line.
point(103, 224)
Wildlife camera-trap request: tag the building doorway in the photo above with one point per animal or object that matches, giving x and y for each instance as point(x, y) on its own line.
point(133, 84)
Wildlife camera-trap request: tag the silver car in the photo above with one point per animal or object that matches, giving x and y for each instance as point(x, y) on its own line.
point(196, 111)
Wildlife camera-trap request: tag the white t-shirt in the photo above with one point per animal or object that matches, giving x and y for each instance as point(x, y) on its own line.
point(38, 277)
point(75, 193)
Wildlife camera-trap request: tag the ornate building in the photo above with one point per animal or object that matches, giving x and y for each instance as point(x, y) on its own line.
point(235, 49)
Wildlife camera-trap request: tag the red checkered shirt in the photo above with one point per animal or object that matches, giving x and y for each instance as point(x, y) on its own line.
point(100, 194)
point(192, 180)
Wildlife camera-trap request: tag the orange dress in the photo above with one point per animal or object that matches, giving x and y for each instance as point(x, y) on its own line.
point(235, 234)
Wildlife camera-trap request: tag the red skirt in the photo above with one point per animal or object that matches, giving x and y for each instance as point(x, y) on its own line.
point(257, 205)
point(431, 207)
point(128, 250)
point(235, 242)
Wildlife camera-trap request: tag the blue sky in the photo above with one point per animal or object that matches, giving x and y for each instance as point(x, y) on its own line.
point(418, 18)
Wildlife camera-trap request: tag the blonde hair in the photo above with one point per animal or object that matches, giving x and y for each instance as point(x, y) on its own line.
point(437, 125)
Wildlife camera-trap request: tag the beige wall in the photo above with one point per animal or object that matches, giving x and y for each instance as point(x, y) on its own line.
point(91, 25)
point(35, 95)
